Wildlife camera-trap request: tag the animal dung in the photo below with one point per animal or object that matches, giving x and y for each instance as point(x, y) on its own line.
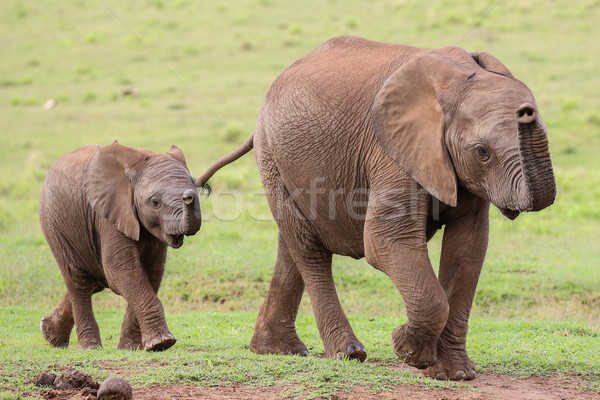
point(73, 379)
point(115, 389)
point(78, 385)
point(44, 379)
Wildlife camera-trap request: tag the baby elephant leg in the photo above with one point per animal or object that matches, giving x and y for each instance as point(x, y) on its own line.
point(131, 335)
point(56, 327)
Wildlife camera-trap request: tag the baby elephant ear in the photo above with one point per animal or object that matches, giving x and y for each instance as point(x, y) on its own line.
point(178, 155)
point(106, 181)
point(408, 121)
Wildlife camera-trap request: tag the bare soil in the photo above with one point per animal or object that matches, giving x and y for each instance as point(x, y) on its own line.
point(485, 387)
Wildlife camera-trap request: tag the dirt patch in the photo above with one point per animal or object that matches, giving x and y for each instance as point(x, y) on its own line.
point(485, 387)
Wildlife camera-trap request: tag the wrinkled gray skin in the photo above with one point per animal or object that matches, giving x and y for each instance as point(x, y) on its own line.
point(108, 214)
point(366, 150)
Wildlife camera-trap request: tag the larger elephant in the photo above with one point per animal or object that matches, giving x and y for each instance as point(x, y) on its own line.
point(108, 214)
point(366, 149)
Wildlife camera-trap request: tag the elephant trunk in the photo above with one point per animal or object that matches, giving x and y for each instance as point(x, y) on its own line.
point(536, 162)
point(192, 217)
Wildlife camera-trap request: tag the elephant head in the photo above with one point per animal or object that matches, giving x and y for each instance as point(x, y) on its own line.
point(135, 188)
point(451, 118)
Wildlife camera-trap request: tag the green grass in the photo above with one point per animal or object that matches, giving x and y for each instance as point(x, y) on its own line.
point(201, 70)
point(213, 350)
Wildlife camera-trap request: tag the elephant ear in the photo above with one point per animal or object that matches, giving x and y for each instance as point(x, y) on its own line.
point(490, 63)
point(178, 155)
point(107, 186)
point(408, 120)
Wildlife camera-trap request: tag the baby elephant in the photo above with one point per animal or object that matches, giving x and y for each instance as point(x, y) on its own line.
point(108, 214)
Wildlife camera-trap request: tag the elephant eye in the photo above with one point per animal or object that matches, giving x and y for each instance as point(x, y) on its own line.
point(155, 203)
point(482, 152)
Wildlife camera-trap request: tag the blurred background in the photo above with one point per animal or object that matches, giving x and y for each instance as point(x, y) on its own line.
point(194, 74)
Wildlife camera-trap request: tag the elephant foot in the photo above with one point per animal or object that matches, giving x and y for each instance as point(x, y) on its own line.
point(452, 362)
point(268, 342)
point(160, 342)
point(55, 331)
point(351, 349)
point(452, 367)
point(414, 347)
point(89, 345)
point(129, 344)
point(345, 346)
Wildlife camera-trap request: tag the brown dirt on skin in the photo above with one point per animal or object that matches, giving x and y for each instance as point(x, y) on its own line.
point(485, 387)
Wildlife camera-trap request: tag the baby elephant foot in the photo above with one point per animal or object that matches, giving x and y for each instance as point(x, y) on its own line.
point(160, 342)
point(266, 342)
point(454, 366)
point(414, 347)
point(55, 331)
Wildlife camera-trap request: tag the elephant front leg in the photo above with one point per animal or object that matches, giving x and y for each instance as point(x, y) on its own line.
point(275, 330)
point(463, 251)
point(396, 244)
point(153, 261)
point(146, 311)
point(416, 342)
point(124, 272)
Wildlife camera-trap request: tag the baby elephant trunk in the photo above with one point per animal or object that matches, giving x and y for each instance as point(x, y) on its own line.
point(192, 217)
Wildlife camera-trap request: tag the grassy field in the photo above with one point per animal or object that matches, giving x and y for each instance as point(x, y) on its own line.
point(200, 71)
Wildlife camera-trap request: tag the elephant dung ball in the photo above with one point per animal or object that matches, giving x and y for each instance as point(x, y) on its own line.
point(73, 379)
point(44, 379)
point(115, 389)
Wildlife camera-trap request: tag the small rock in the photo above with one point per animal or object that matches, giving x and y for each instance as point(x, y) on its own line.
point(49, 104)
point(44, 379)
point(115, 389)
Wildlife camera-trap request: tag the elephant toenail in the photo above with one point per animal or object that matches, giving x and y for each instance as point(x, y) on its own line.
point(472, 374)
point(460, 375)
point(423, 365)
point(441, 376)
point(304, 353)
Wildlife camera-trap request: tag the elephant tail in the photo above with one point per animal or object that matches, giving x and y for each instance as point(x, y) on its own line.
point(228, 159)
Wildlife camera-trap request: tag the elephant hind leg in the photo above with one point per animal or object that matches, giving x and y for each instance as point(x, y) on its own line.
point(56, 327)
point(302, 258)
point(275, 330)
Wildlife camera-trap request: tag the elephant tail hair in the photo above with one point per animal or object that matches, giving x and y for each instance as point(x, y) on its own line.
point(228, 159)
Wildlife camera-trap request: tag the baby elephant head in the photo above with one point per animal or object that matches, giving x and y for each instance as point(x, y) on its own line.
point(139, 190)
point(453, 119)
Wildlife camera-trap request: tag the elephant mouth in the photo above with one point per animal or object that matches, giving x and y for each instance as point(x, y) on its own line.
point(510, 214)
point(175, 241)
